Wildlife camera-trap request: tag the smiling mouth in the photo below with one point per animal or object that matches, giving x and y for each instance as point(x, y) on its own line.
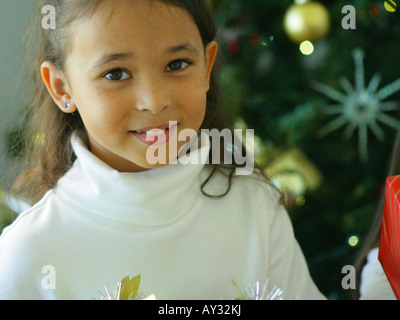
point(155, 135)
point(152, 132)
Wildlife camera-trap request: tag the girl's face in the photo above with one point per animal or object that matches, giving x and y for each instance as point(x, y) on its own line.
point(134, 68)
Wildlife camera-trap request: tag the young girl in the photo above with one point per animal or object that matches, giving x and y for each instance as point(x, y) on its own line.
point(112, 76)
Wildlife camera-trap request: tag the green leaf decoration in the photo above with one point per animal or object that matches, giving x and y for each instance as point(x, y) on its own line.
point(240, 294)
point(129, 288)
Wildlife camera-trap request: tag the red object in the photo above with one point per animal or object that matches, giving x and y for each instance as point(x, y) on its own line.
point(389, 246)
point(233, 47)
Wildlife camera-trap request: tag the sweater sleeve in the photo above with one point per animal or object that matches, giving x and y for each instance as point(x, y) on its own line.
point(21, 274)
point(287, 266)
point(18, 277)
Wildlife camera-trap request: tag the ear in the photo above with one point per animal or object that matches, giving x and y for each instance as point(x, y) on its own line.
point(211, 55)
point(57, 86)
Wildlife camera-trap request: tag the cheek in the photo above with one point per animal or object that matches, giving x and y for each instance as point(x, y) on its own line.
point(200, 98)
point(96, 104)
point(195, 96)
point(100, 116)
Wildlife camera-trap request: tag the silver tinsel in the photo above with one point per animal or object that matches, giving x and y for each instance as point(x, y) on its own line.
point(258, 291)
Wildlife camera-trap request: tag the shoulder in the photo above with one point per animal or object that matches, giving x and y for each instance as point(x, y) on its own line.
point(26, 219)
point(254, 188)
point(26, 235)
point(251, 198)
point(255, 201)
point(22, 245)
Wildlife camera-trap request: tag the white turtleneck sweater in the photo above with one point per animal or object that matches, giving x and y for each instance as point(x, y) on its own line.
point(99, 225)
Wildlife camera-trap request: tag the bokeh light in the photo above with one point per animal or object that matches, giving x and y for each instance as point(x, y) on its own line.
point(373, 10)
point(233, 47)
point(300, 201)
point(306, 48)
point(352, 241)
point(390, 6)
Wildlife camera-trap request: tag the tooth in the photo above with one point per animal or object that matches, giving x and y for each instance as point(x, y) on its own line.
point(155, 132)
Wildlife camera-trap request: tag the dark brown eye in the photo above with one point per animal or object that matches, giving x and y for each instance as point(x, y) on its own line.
point(177, 65)
point(117, 75)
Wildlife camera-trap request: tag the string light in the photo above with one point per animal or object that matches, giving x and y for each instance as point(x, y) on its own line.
point(300, 201)
point(257, 39)
point(352, 241)
point(390, 6)
point(306, 48)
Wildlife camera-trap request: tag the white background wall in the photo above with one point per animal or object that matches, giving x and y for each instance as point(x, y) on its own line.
point(15, 17)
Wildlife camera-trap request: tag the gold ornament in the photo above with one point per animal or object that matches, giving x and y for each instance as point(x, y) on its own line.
point(294, 172)
point(307, 21)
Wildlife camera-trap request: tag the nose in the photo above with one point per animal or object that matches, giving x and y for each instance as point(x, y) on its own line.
point(152, 95)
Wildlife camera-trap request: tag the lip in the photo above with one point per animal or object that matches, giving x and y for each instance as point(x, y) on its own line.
point(156, 140)
point(153, 127)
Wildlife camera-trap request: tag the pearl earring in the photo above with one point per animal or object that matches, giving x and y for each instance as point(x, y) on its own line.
point(67, 105)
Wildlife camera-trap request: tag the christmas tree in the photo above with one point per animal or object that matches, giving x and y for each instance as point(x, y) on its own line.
point(319, 83)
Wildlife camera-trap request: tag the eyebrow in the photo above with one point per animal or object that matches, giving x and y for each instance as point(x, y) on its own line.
point(108, 58)
point(186, 46)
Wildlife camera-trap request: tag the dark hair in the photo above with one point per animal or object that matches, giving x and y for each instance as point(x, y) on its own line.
point(48, 154)
point(374, 233)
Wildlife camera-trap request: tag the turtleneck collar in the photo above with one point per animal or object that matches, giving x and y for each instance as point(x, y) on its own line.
point(152, 198)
